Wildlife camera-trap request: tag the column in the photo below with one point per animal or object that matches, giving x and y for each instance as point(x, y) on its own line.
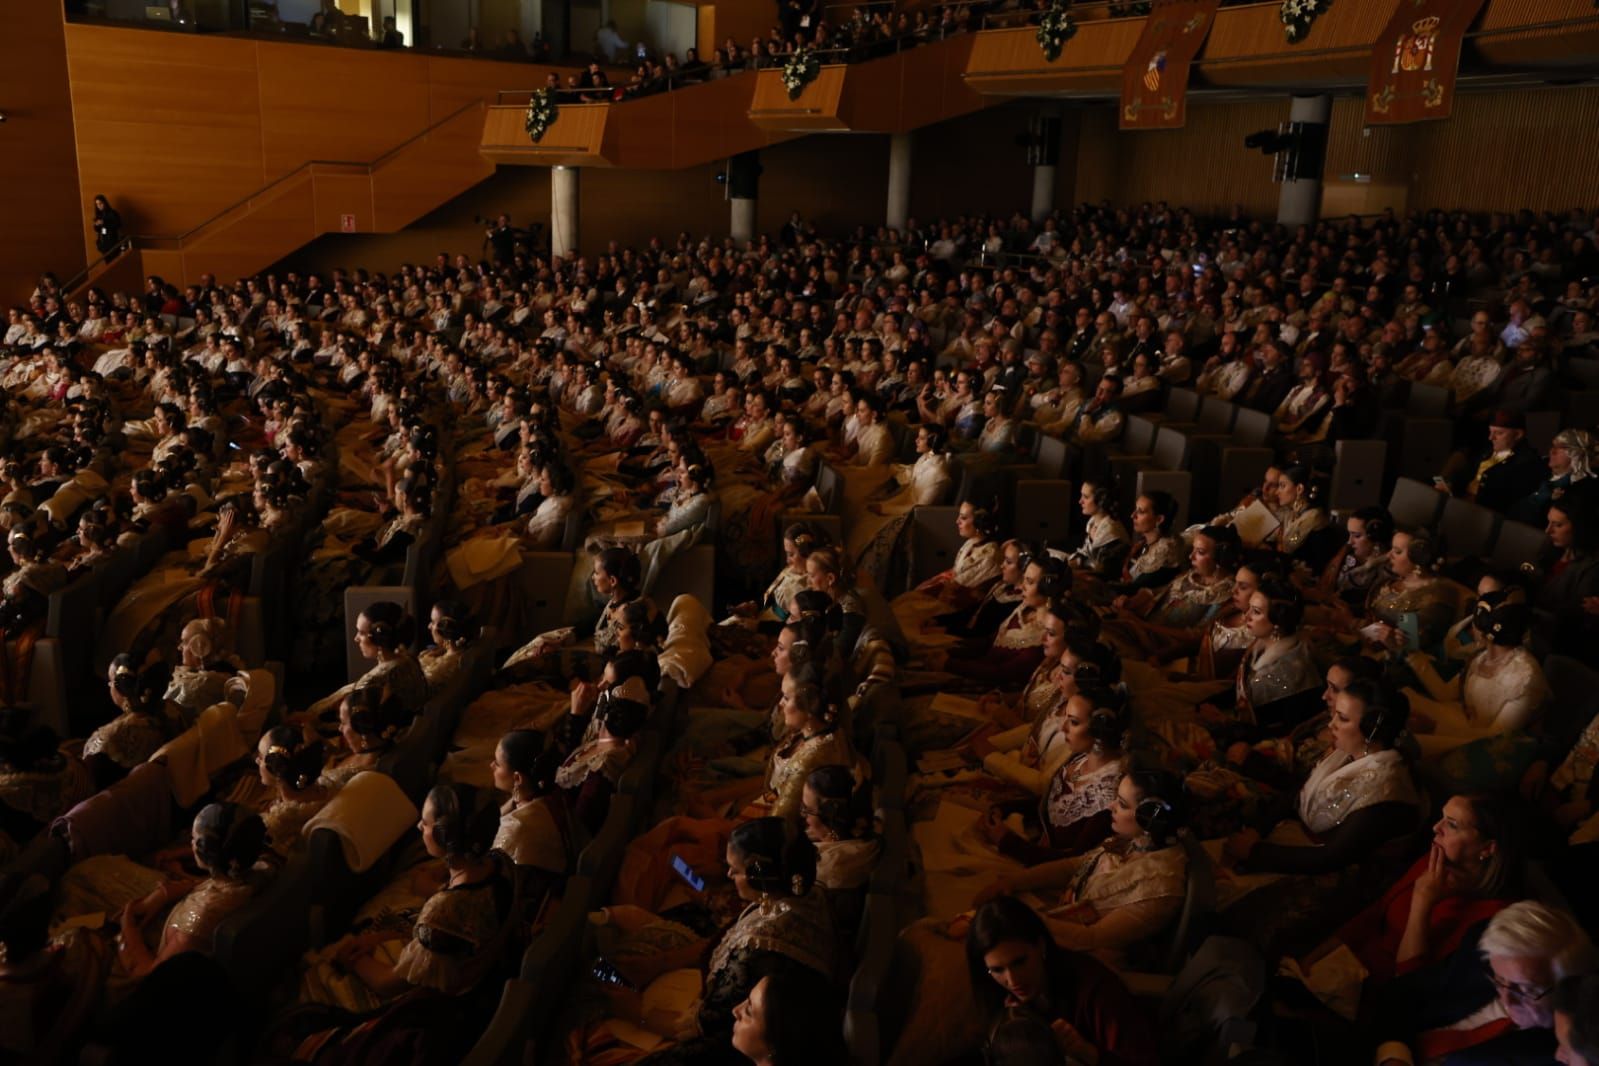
point(899, 180)
point(1299, 199)
point(742, 224)
point(743, 187)
point(1043, 152)
point(563, 210)
point(1043, 191)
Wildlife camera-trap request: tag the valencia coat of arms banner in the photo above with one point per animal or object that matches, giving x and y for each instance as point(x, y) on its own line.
point(1415, 61)
point(1155, 79)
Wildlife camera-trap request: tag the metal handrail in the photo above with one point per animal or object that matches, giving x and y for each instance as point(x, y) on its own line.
point(307, 166)
point(123, 245)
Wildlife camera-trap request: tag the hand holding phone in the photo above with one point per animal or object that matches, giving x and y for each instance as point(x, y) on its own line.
point(686, 872)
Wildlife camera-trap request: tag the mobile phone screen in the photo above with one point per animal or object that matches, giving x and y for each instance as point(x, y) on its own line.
point(605, 973)
point(686, 872)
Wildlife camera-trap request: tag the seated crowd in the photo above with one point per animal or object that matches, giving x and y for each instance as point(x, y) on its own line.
point(1281, 777)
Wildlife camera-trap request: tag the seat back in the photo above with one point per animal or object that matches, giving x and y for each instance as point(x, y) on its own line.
point(1240, 472)
point(148, 549)
point(603, 856)
point(117, 571)
point(863, 1031)
point(72, 609)
point(1171, 449)
point(1182, 405)
point(1468, 530)
point(829, 486)
point(1044, 511)
point(691, 572)
point(1518, 544)
point(543, 580)
point(1138, 435)
point(1427, 444)
point(893, 867)
point(1541, 429)
point(265, 937)
point(1050, 456)
point(1199, 900)
point(1429, 401)
point(1415, 504)
point(892, 770)
point(934, 541)
point(1216, 415)
point(1574, 687)
point(1357, 474)
point(1252, 427)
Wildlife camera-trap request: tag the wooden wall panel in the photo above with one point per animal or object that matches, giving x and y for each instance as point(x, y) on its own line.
point(42, 225)
point(1009, 61)
point(1529, 148)
point(168, 124)
point(712, 120)
point(316, 104)
point(972, 163)
point(640, 133)
point(178, 127)
point(452, 81)
point(575, 138)
point(816, 107)
point(429, 170)
point(1497, 40)
point(1205, 164)
point(742, 20)
point(338, 192)
point(1501, 150)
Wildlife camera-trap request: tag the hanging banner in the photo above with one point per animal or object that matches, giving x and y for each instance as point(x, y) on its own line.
point(1415, 61)
point(1155, 79)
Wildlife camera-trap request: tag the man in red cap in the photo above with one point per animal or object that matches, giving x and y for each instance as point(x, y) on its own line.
point(1504, 472)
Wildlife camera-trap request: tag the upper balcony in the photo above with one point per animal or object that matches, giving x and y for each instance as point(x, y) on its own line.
point(666, 131)
point(915, 86)
point(1248, 49)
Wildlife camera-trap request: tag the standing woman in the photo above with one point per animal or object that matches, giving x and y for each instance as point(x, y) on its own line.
point(107, 225)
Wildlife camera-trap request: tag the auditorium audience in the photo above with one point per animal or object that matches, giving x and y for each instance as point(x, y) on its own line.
point(1048, 739)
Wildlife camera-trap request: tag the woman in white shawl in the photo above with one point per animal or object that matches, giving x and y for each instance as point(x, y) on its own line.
point(1358, 797)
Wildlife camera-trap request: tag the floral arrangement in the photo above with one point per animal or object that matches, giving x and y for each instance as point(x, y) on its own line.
point(799, 70)
point(1297, 15)
point(541, 112)
point(1055, 29)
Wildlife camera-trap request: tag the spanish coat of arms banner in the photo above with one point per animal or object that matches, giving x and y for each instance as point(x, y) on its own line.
point(1415, 61)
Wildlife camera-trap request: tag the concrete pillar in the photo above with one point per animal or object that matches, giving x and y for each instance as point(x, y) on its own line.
point(743, 189)
point(1043, 192)
point(742, 225)
point(563, 210)
point(1299, 199)
point(899, 180)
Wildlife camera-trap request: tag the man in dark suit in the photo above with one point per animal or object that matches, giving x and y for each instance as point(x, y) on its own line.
point(1275, 382)
point(1505, 472)
point(502, 238)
